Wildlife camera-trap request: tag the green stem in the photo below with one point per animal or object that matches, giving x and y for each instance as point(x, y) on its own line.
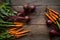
point(58, 24)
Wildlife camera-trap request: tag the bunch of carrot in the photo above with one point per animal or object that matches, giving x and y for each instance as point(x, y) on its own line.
point(53, 23)
point(18, 31)
point(53, 16)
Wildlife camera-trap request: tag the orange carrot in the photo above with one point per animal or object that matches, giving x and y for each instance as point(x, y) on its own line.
point(54, 11)
point(52, 15)
point(23, 32)
point(18, 36)
point(12, 29)
point(12, 32)
point(18, 24)
point(56, 16)
point(50, 18)
point(20, 29)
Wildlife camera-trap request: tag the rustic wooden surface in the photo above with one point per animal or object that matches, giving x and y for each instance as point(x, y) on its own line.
point(39, 30)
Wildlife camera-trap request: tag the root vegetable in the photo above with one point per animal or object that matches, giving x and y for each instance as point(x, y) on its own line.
point(13, 29)
point(18, 24)
point(19, 19)
point(32, 8)
point(26, 7)
point(52, 15)
point(23, 32)
point(21, 13)
point(19, 30)
point(54, 26)
point(15, 18)
point(54, 12)
point(56, 16)
point(50, 18)
point(12, 32)
point(55, 33)
point(18, 36)
point(49, 22)
point(27, 19)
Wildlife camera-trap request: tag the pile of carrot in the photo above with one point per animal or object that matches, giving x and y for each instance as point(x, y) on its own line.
point(50, 18)
point(54, 11)
point(54, 17)
point(18, 32)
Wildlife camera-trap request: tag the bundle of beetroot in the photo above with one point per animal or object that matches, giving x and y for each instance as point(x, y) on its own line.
point(23, 15)
point(7, 16)
point(53, 22)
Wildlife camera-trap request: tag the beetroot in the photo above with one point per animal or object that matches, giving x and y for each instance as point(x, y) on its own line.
point(26, 7)
point(14, 18)
point(29, 9)
point(54, 33)
point(32, 8)
point(19, 19)
point(48, 22)
point(24, 19)
point(27, 19)
point(21, 13)
point(54, 26)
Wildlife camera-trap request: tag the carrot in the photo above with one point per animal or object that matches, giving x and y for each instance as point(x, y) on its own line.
point(50, 18)
point(55, 15)
point(23, 32)
point(54, 12)
point(18, 24)
point(52, 15)
point(18, 36)
point(20, 30)
point(12, 29)
point(12, 32)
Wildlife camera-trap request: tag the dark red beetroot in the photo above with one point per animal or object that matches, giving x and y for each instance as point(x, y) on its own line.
point(26, 8)
point(54, 33)
point(48, 22)
point(14, 18)
point(24, 19)
point(19, 19)
point(21, 13)
point(54, 26)
point(27, 19)
point(32, 8)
